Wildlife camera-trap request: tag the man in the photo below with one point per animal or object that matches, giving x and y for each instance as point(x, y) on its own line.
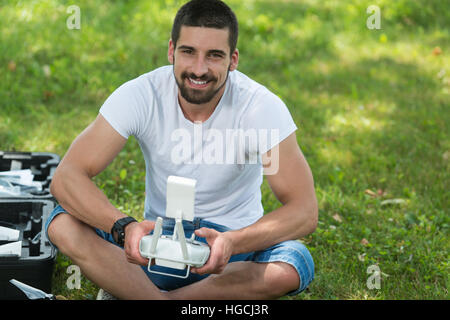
point(253, 256)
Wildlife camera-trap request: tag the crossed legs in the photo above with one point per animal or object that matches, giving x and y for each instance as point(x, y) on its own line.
point(106, 265)
point(100, 261)
point(243, 280)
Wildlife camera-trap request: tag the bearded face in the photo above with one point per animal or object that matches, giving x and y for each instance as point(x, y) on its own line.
point(201, 63)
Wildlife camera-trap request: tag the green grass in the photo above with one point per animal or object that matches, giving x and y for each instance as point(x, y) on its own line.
point(372, 107)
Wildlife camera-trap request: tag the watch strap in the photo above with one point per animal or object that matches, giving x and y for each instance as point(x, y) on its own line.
point(119, 228)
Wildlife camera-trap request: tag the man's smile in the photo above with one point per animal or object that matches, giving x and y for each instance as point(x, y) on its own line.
point(197, 84)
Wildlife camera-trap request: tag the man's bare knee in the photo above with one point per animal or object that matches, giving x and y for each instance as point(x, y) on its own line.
point(67, 233)
point(270, 280)
point(281, 278)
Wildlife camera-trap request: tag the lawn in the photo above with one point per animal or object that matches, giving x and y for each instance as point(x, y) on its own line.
point(372, 107)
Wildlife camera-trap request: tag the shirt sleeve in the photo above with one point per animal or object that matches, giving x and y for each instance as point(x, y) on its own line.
point(270, 118)
point(128, 109)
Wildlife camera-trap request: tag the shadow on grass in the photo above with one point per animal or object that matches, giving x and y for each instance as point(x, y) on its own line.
point(378, 116)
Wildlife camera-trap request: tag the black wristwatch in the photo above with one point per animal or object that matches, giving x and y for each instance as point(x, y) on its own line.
point(118, 229)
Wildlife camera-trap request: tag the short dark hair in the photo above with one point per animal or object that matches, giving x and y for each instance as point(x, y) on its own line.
point(206, 13)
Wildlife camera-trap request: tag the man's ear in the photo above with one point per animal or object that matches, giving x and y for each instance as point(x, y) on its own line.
point(234, 60)
point(170, 52)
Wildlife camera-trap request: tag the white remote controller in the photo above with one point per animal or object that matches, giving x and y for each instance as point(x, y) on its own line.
point(175, 251)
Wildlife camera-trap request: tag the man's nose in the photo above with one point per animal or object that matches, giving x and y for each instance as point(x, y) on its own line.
point(200, 68)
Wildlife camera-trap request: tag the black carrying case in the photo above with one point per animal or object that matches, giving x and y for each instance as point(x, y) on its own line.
point(28, 214)
point(35, 265)
point(41, 164)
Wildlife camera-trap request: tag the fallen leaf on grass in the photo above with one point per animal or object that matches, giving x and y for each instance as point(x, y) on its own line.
point(337, 218)
point(408, 21)
point(12, 66)
point(46, 70)
point(364, 242)
point(392, 201)
point(437, 51)
point(373, 194)
point(47, 95)
point(370, 193)
point(446, 155)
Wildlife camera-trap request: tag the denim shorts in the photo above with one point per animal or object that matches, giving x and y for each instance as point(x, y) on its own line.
point(292, 252)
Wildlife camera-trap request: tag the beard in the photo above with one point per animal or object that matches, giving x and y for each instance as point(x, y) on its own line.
point(196, 96)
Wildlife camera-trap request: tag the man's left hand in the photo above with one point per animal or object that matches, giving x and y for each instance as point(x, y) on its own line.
point(221, 248)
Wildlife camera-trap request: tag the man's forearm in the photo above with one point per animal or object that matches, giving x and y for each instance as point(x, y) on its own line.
point(79, 195)
point(289, 222)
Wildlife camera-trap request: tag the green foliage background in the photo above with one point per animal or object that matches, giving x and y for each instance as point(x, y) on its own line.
point(372, 107)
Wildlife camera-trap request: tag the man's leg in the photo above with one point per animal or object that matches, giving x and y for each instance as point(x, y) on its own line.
point(243, 280)
point(100, 261)
point(285, 268)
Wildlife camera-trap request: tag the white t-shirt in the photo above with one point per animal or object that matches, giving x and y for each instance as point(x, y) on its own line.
point(222, 153)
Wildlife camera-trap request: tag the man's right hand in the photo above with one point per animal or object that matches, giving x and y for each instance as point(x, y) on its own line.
point(133, 235)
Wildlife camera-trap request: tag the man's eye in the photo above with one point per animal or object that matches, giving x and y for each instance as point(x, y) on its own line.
point(187, 51)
